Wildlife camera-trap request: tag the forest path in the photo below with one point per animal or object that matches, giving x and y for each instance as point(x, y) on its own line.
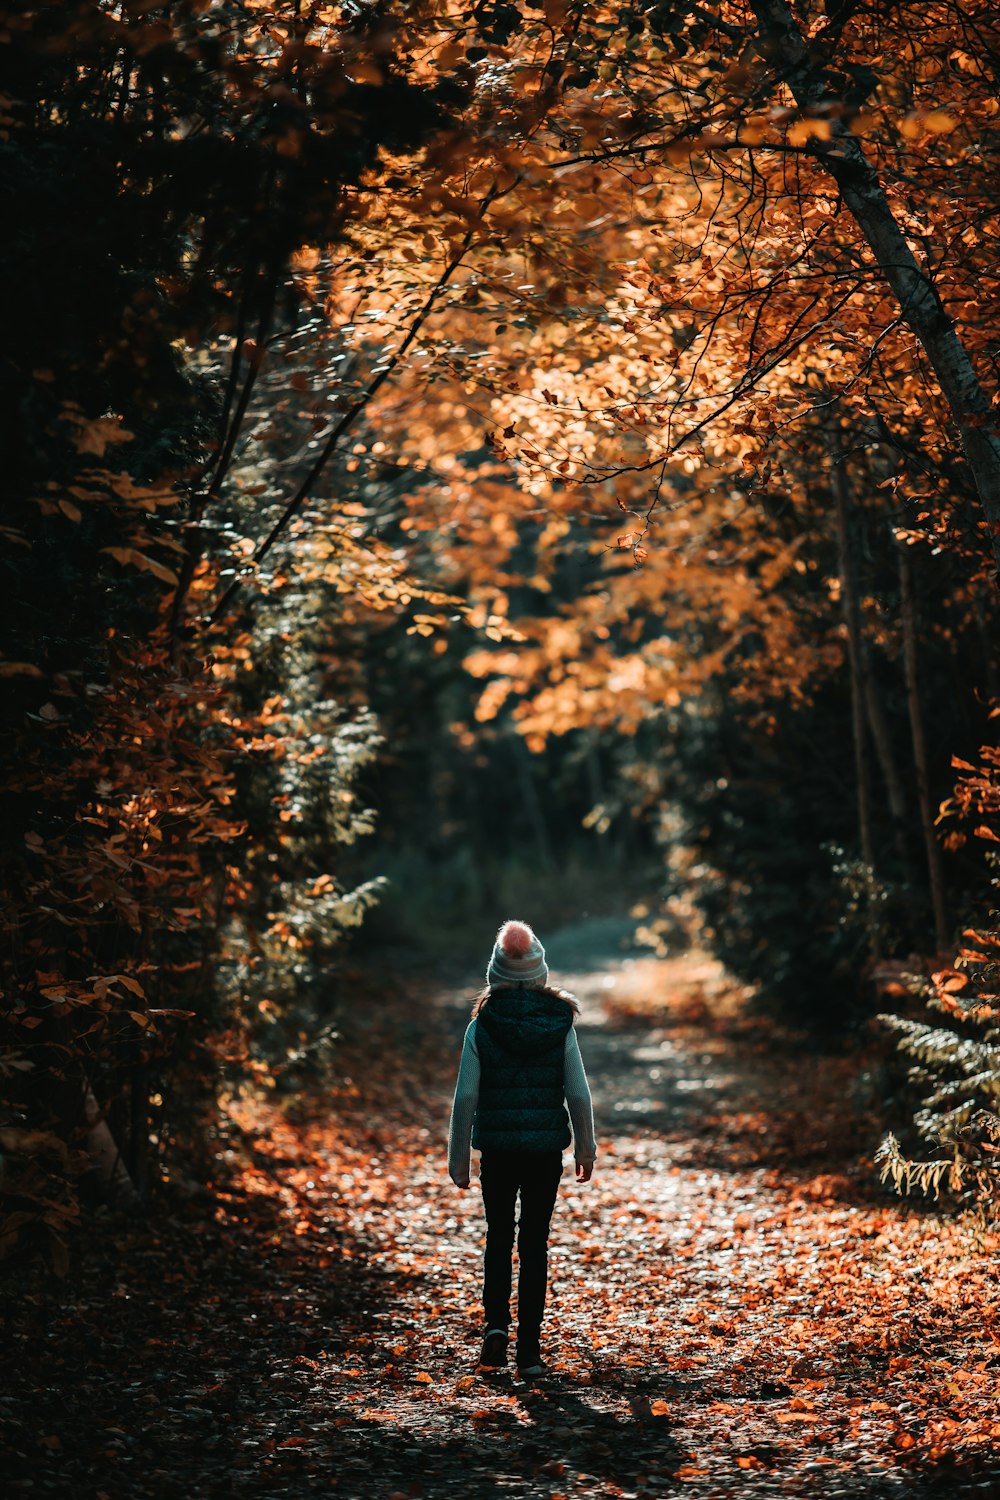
point(728, 1315)
point(734, 1310)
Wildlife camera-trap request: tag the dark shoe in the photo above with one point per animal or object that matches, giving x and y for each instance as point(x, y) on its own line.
point(493, 1355)
point(531, 1365)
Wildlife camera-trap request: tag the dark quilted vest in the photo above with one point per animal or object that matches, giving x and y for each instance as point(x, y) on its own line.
point(521, 1040)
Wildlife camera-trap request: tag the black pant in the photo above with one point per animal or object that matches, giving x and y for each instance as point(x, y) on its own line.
point(502, 1175)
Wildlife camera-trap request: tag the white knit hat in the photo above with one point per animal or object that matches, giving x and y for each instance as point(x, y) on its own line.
point(518, 957)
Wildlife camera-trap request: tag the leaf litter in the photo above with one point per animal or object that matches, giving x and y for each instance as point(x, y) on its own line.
point(735, 1307)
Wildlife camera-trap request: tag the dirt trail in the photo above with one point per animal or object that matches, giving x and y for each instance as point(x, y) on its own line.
point(734, 1311)
point(725, 1317)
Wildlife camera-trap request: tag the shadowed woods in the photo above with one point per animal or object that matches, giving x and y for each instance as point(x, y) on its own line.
point(520, 434)
point(734, 1310)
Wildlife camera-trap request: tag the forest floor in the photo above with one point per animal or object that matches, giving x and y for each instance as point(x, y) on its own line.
point(736, 1309)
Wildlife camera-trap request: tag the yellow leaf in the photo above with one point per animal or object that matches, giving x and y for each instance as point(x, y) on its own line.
point(94, 437)
point(160, 570)
point(754, 129)
point(129, 556)
point(935, 122)
point(802, 131)
point(147, 498)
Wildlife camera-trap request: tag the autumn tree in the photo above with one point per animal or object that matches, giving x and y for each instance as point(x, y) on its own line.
point(653, 344)
point(163, 168)
point(685, 318)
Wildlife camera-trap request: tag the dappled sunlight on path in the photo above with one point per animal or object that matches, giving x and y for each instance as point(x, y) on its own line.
point(724, 1319)
point(735, 1310)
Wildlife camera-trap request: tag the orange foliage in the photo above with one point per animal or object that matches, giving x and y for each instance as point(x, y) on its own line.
point(727, 1306)
point(589, 281)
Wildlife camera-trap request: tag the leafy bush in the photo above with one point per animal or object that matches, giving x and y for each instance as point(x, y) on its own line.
point(956, 1066)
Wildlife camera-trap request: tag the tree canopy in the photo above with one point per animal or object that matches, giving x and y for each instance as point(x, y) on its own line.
point(610, 390)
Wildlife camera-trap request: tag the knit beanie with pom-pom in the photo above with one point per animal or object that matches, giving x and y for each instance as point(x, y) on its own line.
point(518, 957)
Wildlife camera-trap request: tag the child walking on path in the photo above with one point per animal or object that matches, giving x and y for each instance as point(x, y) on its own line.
point(520, 1068)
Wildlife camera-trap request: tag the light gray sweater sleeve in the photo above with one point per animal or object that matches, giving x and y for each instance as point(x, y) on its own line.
point(463, 1109)
point(578, 1100)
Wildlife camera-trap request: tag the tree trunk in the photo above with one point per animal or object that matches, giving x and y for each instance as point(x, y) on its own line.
point(103, 1151)
point(920, 748)
point(855, 651)
point(533, 803)
point(882, 740)
point(878, 724)
point(782, 44)
point(592, 767)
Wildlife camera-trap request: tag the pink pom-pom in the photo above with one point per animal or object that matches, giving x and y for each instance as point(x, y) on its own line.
point(516, 939)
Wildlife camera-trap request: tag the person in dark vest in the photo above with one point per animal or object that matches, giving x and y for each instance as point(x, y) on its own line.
point(520, 1069)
